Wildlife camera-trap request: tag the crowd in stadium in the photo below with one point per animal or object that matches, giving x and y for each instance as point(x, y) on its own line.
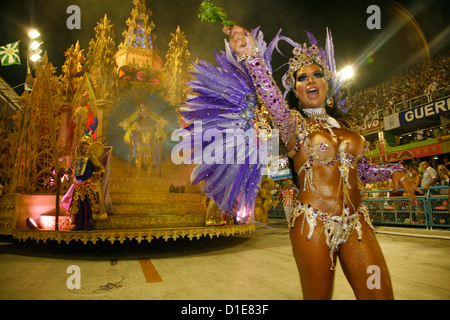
point(422, 80)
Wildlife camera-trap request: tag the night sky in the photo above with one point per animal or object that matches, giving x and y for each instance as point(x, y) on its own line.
point(378, 53)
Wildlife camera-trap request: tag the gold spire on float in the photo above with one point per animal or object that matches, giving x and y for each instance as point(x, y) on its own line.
point(72, 71)
point(101, 60)
point(137, 58)
point(98, 86)
point(176, 70)
point(140, 28)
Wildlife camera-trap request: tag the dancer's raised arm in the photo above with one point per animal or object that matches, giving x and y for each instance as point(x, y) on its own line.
point(244, 45)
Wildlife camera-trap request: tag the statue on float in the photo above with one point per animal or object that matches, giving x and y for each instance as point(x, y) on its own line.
point(264, 202)
point(140, 129)
point(144, 133)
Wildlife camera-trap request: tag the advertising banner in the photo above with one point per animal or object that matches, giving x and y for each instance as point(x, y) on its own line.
point(429, 110)
point(425, 111)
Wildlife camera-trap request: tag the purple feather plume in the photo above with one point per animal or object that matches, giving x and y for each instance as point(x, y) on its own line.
point(223, 101)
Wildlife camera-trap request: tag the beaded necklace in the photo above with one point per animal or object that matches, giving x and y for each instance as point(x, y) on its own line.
point(316, 113)
point(321, 120)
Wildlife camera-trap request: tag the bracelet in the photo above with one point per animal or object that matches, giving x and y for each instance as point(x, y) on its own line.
point(245, 56)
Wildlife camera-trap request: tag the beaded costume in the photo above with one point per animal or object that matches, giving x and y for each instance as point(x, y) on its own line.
point(337, 229)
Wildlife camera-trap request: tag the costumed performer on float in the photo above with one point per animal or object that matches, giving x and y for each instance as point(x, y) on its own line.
point(329, 219)
point(88, 200)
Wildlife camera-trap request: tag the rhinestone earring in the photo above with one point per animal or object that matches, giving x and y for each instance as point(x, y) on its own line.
point(330, 102)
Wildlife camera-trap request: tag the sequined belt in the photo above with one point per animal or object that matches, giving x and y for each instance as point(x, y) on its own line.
point(337, 229)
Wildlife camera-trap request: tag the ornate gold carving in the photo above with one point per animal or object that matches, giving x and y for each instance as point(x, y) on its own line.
point(184, 198)
point(158, 208)
point(39, 146)
point(130, 221)
point(7, 212)
point(127, 235)
point(138, 47)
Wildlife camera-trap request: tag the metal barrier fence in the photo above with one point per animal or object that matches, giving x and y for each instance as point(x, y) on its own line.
point(432, 209)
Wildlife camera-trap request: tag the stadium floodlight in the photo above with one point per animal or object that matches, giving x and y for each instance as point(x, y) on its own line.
point(346, 73)
point(33, 34)
point(35, 57)
point(35, 44)
point(34, 51)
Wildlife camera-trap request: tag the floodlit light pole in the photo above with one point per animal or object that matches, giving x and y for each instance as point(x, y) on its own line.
point(33, 53)
point(33, 49)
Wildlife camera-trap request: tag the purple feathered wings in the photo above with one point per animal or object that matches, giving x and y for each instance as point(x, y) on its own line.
point(227, 137)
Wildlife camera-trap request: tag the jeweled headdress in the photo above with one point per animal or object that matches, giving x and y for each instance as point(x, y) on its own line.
point(86, 138)
point(81, 150)
point(304, 55)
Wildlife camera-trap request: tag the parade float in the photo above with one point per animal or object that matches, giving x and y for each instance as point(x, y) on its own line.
point(129, 96)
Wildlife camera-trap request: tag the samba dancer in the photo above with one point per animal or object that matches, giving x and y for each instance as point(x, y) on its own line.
point(328, 160)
